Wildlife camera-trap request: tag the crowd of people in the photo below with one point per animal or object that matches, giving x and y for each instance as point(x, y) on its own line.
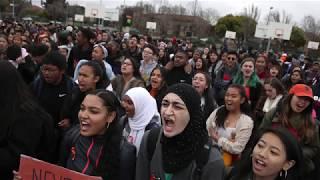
point(124, 106)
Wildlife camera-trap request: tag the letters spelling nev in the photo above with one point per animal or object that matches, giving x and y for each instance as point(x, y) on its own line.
point(38, 174)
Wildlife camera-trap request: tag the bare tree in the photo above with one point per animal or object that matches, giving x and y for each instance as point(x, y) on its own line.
point(276, 16)
point(159, 3)
point(309, 24)
point(168, 9)
point(273, 16)
point(165, 10)
point(211, 15)
point(194, 8)
point(179, 10)
point(252, 11)
point(311, 27)
point(286, 18)
point(147, 7)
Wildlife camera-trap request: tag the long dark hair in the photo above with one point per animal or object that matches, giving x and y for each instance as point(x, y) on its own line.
point(293, 152)
point(208, 95)
point(136, 72)
point(163, 73)
point(15, 96)
point(222, 112)
point(276, 83)
point(300, 73)
point(109, 164)
point(209, 61)
point(278, 67)
point(100, 71)
point(204, 67)
point(284, 110)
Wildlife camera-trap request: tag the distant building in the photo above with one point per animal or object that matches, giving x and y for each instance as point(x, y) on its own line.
point(170, 24)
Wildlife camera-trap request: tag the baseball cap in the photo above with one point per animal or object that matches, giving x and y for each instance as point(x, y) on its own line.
point(301, 90)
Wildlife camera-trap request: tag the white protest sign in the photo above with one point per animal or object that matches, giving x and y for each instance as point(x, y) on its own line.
point(230, 35)
point(313, 45)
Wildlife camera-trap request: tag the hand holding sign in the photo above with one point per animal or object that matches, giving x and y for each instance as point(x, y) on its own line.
point(16, 176)
point(34, 169)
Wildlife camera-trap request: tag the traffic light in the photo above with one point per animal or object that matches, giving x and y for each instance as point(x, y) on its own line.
point(128, 20)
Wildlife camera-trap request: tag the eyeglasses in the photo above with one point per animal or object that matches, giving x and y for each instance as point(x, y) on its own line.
point(231, 58)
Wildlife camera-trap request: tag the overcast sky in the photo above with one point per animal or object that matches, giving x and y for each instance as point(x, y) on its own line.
point(296, 8)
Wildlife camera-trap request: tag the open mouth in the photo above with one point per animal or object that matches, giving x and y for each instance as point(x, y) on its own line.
point(247, 72)
point(81, 85)
point(154, 81)
point(300, 106)
point(168, 124)
point(258, 164)
point(84, 126)
point(197, 88)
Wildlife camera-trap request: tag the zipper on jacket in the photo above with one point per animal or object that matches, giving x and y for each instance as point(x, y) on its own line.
point(88, 159)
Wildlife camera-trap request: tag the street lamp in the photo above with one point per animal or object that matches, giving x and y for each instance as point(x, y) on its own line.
point(13, 13)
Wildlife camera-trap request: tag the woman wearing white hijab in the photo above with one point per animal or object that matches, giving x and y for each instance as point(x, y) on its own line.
point(141, 114)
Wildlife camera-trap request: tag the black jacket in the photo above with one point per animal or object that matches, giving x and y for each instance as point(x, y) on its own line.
point(72, 104)
point(255, 93)
point(77, 159)
point(77, 54)
point(31, 133)
point(51, 97)
point(178, 75)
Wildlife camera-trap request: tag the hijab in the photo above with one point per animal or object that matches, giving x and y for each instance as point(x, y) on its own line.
point(179, 151)
point(145, 109)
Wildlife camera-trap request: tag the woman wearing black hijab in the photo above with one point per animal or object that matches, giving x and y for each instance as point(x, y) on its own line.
point(181, 150)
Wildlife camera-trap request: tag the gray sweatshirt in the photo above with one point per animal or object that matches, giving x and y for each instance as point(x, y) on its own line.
point(213, 170)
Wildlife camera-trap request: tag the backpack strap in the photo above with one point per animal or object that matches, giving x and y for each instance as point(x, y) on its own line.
point(202, 160)
point(152, 141)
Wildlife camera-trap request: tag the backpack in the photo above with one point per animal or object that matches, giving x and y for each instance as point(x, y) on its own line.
point(201, 159)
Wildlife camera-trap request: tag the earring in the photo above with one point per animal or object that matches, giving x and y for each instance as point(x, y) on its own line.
point(108, 125)
point(285, 174)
